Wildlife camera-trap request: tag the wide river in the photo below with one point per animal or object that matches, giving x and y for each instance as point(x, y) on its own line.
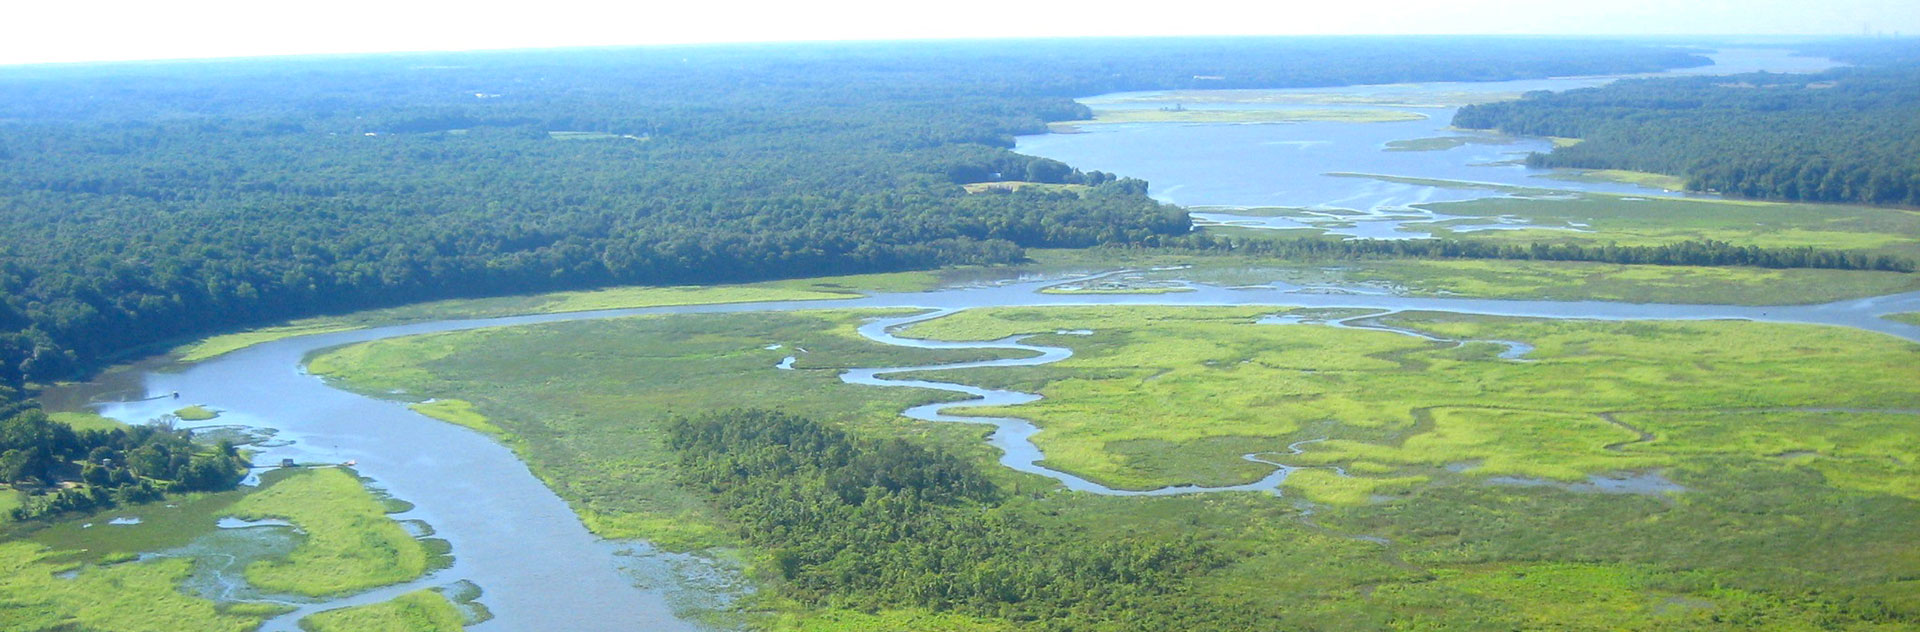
point(539, 566)
point(1286, 165)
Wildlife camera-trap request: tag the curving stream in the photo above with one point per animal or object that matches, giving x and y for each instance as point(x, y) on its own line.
point(542, 569)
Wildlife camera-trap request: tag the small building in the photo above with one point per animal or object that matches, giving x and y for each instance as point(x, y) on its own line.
point(287, 463)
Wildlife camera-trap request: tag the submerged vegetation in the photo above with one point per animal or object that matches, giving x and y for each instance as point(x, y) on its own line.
point(139, 574)
point(134, 597)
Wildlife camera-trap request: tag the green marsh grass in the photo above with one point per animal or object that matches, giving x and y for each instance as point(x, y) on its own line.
point(581, 402)
point(575, 301)
point(417, 611)
point(1184, 375)
point(1789, 519)
point(196, 412)
point(351, 544)
point(1650, 220)
point(1481, 278)
point(87, 574)
point(129, 597)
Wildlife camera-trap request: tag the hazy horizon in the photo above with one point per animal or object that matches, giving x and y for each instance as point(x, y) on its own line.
point(204, 29)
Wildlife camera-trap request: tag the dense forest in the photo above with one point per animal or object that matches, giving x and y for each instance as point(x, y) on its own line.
point(146, 202)
point(1846, 135)
point(90, 469)
point(868, 524)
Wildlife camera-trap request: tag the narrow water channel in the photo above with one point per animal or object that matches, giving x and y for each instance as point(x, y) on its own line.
point(541, 569)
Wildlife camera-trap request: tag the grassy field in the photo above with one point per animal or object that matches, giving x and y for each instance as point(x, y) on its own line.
point(85, 421)
point(1911, 318)
point(581, 402)
point(418, 611)
point(1042, 187)
point(1641, 178)
point(578, 301)
point(1111, 117)
point(351, 544)
point(1793, 508)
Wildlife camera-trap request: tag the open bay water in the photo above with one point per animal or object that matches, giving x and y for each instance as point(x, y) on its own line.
point(1221, 167)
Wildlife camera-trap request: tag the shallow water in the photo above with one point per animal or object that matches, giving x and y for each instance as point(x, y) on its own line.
point(1286, 165)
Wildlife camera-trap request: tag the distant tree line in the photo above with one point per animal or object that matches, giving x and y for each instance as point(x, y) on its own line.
point(1847, 135)
point(146, 203)
point(1706, 252)
point(62, 470)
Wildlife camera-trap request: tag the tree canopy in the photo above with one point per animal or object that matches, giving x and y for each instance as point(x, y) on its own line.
point(147, 202)
point(1846, 135)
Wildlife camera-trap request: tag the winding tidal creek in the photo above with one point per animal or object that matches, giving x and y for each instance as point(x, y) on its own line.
point(540, 567)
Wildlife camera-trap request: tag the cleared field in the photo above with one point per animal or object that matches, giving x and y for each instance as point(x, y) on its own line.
point(1642, 178)
point(85, 421)
point(1009, 186)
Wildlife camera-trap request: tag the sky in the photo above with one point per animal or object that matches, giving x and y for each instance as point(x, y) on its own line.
point(43, 31)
